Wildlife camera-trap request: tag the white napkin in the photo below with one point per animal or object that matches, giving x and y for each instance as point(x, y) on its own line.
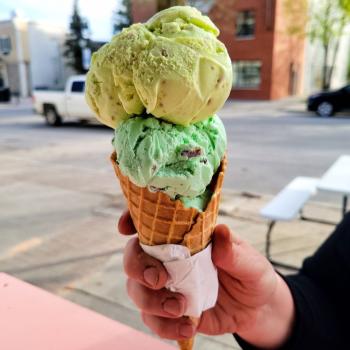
point(195, 276)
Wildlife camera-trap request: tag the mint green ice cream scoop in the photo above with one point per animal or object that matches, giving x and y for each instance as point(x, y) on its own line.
point(179, 161)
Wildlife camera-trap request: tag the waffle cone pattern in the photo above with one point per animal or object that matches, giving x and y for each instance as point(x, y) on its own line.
point(160, 220)
point(186, 344)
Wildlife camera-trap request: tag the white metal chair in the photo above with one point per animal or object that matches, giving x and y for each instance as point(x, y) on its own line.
point(286, 206)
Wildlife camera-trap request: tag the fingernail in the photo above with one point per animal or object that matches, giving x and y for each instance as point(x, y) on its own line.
point(151, 276)
point(172, 306)
point(186, 330)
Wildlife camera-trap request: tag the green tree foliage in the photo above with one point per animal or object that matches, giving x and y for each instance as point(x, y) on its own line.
point(122, 18)
point(325, 24)
point(296, 12)
point(345, 5)
point(77, 39)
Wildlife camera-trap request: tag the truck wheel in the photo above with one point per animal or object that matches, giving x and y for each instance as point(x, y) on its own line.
point(52, 118)
point(325, 109)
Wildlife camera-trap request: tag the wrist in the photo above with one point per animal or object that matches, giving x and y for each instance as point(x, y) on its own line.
point(274, 320)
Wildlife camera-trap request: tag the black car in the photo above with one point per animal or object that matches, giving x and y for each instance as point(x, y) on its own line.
point(325, 104)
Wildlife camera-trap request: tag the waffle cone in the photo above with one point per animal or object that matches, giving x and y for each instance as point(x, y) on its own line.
point(188, 343)
point(160, 220)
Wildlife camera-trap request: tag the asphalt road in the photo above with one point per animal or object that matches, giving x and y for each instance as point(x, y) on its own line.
point(266, 150)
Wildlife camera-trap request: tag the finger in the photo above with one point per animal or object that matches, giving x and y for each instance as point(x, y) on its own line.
point(125, 224)
point(236, 257)
point(158, 303)
point(222, 253)
point(217, 320)
point(175, 329)
point(142, 268)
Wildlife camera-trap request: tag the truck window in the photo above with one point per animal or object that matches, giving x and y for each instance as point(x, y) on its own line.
point(78, 86)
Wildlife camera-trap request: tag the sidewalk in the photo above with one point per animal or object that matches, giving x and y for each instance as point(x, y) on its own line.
point(17, 103)
point(266, 108)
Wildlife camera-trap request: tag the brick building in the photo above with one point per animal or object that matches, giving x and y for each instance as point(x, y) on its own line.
point(267, 63)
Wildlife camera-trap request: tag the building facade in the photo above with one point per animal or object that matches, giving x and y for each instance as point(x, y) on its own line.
point(267, 62)
point(31, 56)
point(14, 56)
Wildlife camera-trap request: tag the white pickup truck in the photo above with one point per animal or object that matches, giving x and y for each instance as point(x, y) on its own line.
point(67, 105)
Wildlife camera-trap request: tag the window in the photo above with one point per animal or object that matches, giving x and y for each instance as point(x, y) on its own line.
point(245, 24)
point(5, 45)
point(246, 74)
point(78, 86)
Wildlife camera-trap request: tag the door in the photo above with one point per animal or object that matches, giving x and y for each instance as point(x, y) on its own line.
point(293, 80)
point(77, 107)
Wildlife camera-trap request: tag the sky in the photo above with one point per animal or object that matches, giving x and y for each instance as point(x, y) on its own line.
point(58, 12)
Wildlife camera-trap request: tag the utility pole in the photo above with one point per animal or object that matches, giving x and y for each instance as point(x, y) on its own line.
point(22, 69)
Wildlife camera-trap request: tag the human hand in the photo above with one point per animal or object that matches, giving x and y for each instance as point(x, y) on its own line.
point(253, 300)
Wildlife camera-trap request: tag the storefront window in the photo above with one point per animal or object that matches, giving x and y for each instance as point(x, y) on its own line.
point(5, 45)
point(245, 24)
point(246, 74)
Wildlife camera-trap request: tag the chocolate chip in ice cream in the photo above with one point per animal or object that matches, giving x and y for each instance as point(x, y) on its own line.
point(191, 153)
point(156, 189)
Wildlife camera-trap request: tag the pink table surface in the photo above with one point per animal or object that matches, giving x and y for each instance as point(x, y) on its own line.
point(33, 319)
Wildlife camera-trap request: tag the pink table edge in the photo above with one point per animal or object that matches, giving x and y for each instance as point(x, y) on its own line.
point(31, 318)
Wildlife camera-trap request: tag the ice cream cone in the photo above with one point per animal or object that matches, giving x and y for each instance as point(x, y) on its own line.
point(160, 220)
point(188, 343)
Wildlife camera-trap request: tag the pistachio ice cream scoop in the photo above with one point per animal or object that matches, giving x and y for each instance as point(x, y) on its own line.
point(179, 161)
point(172, 67)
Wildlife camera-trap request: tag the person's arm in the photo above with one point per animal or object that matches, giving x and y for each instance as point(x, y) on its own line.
point(321, 294)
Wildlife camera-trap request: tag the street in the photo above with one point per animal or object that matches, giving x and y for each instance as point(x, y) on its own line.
point(265, 151)
point(60, 200)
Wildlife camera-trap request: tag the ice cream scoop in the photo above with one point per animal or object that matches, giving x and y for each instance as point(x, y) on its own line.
point(176, 160)
point(172, 67)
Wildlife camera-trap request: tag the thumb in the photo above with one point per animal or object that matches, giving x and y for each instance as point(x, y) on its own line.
point(235, 256)
point(222, 253)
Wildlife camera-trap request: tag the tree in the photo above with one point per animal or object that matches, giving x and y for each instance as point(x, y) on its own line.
point(326, 24)
point(345, 5)
point(77, 40)
point(122, 18)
